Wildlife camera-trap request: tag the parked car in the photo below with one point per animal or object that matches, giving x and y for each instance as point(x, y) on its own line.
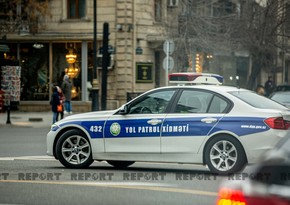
point(282, 97)
point(222, 127)
point(282, 88)
point(268, 182)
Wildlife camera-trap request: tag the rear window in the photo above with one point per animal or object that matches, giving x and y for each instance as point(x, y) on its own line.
point(281, 97)
point(256, 100)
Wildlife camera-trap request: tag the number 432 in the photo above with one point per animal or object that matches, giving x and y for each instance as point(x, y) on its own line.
point(95, 128)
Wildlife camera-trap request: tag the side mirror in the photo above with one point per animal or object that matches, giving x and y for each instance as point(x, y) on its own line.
point(123, 110)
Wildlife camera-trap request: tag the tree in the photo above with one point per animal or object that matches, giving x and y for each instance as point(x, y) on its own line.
point(227, 26)
point(23, 15)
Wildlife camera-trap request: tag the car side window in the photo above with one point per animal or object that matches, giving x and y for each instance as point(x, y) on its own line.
point(218, 105)
point(155, 103)
point(192, 101)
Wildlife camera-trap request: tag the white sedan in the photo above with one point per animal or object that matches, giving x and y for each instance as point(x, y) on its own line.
point(219, 126)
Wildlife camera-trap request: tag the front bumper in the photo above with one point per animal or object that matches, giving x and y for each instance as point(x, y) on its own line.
point(49, 143)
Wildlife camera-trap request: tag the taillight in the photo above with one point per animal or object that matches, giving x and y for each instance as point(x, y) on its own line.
point(230, 197)
point(277, 123)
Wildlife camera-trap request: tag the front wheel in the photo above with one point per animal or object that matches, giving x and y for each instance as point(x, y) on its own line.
point(74, 150)
point(225, 155)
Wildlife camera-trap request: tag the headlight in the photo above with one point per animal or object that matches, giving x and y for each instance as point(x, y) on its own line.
point(54, 127)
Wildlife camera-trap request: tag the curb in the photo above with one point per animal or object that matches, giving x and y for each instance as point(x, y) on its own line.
point(26, 119)
point(35, 119)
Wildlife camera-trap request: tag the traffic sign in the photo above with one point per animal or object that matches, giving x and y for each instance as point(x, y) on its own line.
point(168, 47)
point(168, 63)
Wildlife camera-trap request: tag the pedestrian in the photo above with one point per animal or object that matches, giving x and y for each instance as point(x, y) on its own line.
point(269, 86)
point(54, 102)
point(66, 89)
point(60, 108)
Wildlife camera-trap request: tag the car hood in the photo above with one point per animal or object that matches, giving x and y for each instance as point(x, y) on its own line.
point(89, 115)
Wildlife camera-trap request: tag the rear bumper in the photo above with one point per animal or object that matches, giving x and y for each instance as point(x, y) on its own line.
point(256, 145)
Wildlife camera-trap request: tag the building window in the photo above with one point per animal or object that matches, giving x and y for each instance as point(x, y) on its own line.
point(76, 9)
point(157, 10)
point(11, 15)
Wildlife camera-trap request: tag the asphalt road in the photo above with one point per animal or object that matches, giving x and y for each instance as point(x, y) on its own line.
point(28, 176)
point(22, 141)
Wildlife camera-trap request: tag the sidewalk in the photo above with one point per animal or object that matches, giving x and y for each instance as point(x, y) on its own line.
point(27, 119)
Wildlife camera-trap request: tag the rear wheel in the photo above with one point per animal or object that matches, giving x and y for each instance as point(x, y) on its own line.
point(74, 150)
point(120, 164)
point(225, 155)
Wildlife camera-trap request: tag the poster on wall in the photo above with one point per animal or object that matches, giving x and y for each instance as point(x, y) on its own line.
point(10, 83)
point(144, 72)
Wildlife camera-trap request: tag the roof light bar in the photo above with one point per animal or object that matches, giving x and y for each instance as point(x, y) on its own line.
point(195, 78)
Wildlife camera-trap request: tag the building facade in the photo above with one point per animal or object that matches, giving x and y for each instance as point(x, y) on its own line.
point(57, 38)
point(63, 44)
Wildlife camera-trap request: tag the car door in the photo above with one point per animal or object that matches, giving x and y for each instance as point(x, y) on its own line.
point(195, 113)
point(138, 131)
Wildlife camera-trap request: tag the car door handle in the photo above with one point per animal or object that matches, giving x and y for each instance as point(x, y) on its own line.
point(154, 122)
point(209, 120)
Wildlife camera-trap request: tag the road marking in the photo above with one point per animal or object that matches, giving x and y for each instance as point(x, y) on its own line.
point(122, 185)
point(41, 158)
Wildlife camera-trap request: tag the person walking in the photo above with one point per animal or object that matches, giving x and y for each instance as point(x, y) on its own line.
point(66, 88)
point(54, 102)
point(60, 108)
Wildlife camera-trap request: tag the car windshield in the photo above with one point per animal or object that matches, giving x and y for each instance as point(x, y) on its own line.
point(256, 100)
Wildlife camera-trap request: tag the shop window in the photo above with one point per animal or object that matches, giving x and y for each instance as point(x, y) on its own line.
point(34, 72)
point(62, 64)
point(76, 9)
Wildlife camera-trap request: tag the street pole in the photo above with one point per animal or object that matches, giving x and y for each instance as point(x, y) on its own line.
point(95, 86)
point(167, 63)
point(105, 64)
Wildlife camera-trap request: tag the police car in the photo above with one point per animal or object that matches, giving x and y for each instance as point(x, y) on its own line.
point(219, 126)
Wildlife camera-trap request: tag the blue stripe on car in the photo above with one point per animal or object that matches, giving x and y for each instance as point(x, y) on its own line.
point(172, 127)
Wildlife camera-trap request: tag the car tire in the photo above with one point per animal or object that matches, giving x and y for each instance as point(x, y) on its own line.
point(120, 164)
point(74, 150)
point(225, 155)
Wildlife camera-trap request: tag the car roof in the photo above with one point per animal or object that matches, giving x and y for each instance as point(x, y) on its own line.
point(218, 88)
